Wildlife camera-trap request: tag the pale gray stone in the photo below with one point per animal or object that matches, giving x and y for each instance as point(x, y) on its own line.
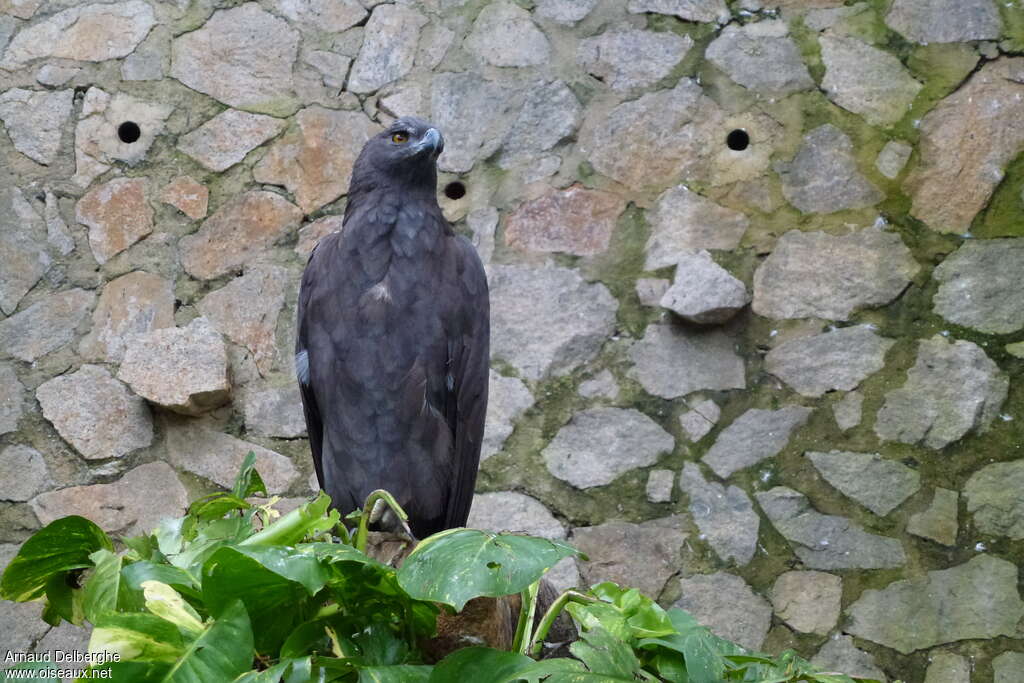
point(565, 575)
point(68, 638)
point(893, 157)
point(945, 21)
point(659, 485)
point(725, 516)
point(224, 140)
point(952, 389)
point(134, 303)
point(703, 292)
point(689, 10)
point(246, 309)
point(598, 445)
point(808, 601)
point(817, 275)
point(479, 109)
point(435, 41)
point(45, 326)
point(323, 15)
point(89, 33)
point(728, 606)
point(829, 17)
point(95, 413)
point(133, 504)
point(22, 625)
point(643, 555)
point(977, 599)
point(760, 56)
point(979, 286)
point(877, 483)
point(508, 398)
point(241, 56)
point(601, 385)
point(183, 369)
point(22, 248)
point(49, 74)
point(671, 361)
point(838, 359)
point(35, 121)
point(682, 219)
point(12, 400)
point(840, 654)
point(23, 471)
point(939, 521)
point(547, 321)
point(389, 48)
point(827, 541)
point(650, 290)
point(993, 497)
point(203, 451)
point(847, 410)
point(700, 418)
point(631, 60)
point(515, 512)
point(57, 233)
point(275, 412)
point(752, 437)
point(505, 35)
point(8, 25)
point(866, 80)
point(1008, 668)
point(484, 224)
point(146, 64)
point(550, 113)
point(966, 141)
point(333, 67)
point(947, 667)
point(565, 11)
point(823, 176)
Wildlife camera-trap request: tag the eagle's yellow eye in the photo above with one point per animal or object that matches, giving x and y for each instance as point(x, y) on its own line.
point(400, 137)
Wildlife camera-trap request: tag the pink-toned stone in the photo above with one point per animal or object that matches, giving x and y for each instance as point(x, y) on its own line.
point(198, 448)
point(133, 504)
point(117, 215)
point(184, 369)
point(133, 303)
point(246, 310)
point(95, 413)
point(576, 220)
point(315, 160)
point(224, 140)
point(310, 234)
point(187, 195)
point(237, 232)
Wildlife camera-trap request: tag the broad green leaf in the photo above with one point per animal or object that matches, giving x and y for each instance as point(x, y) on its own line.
point(223, 652)
point(496, 666)
point(134, 574)
point(457, 565)
point(286, 562)
point(63, 599)
point(403, 673)
point(219, 506)
point(703, 652)
point(169, 535)
point(308, 519)
point(275, 604)
point(166, 603)
point(136, 636)
point(297, 669)
point(606, 655)
point(59, 547)
point(101, 591)
point(248, 482)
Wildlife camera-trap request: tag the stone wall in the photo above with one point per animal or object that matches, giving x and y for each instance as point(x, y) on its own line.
point(755, 275)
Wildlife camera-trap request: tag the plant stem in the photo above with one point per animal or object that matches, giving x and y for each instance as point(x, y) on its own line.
point(549, 618)
point(527, 608)
point(364, 519)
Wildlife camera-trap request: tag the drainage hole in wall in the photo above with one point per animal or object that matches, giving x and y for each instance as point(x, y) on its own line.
point(738, 140)
point(128, 132)
point(455, 190)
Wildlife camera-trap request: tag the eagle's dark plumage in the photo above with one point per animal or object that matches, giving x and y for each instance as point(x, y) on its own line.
point(393, 337)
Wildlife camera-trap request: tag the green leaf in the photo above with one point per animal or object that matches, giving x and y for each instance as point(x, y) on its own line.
point(297, 669)
point(455, 566)
point(290, 564)
point(133, 575)
point(248, 482)
point(166, 603)
point(308, 519)
point(217, 507)
point(496, 666)
point(703, 651)
point(403, 673)
point(101, 591)
point(61, 546)
point(136, 636)
point(63, 600)
point(606, 655)
point(223, 652)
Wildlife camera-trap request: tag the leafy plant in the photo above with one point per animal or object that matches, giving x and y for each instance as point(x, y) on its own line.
point(235, 592)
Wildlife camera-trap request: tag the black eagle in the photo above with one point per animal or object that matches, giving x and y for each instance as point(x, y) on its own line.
point(393, 340)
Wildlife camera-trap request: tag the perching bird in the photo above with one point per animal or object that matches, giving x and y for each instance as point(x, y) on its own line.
point(393, 340)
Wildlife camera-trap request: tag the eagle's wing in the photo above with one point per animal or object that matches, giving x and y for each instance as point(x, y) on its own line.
point(469, 339)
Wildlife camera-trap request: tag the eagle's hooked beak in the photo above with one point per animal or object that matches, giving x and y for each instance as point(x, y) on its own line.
point(432, 143)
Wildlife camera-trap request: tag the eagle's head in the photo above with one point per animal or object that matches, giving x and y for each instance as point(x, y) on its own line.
point(405, 153)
